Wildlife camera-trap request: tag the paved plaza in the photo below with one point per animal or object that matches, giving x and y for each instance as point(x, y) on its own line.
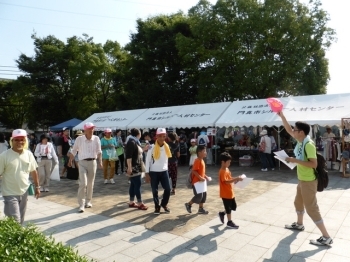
point(111, 231)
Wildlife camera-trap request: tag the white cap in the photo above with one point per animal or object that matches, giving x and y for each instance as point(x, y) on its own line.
point(193, 140)
point(161, 130)
point(108, 130)
point(263, 133)
point(19, 132)
point(88, 125)
point(65, 128)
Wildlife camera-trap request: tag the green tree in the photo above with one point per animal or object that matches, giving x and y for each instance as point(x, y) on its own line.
point(249, 49)
point(73, 79)
point(15, 102)
point(156, 73)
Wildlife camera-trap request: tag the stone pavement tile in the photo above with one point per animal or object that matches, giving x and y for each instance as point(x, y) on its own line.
point(109, 239)
point(110, 250)
point(142, 248)
point(140, 236)
point(199, 232)
point(343, 232)
point(328, 257)
point(301, 259)
point(237, 241)
point(135, 228)
point(294, 237)
point(63, 237)
point(206, 244)
point(307, 250)
point(218, 254)
point(338, 214)
point(117, 258)
point(84, 238)
point(344, 199)
point(152, 256)
point(268, 218)
point(184, 255)
point(254, 229)
point(86, 248)
point(249, 253)
point(340, 247)
point(280, 252)
point(174, 246)
point(164, 236)
point(338, 206)
point(266, 239)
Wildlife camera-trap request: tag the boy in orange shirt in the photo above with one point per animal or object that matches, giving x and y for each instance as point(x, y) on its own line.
point(198, 174)
point(226, 189)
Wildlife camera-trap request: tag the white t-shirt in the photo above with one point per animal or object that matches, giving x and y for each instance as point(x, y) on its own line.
point(158, 165)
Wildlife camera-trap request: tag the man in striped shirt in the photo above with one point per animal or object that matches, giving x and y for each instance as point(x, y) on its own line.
point(89, 147)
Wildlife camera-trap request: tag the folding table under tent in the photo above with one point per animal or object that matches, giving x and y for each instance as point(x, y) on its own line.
point(114, 120)
point(186, 116)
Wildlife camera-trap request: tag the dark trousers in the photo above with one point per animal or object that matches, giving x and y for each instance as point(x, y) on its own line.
point(122, 162)
point(163, 179)
point(266, 160)
point(172, 170)
point(135, 188)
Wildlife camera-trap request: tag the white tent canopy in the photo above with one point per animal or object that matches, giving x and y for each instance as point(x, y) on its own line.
point(114, 120)
point(315, 109)
point(187, 116)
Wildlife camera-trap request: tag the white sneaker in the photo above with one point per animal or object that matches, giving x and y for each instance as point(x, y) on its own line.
point(47, 190)
point(129, 182)
point(42, 189)
point(81, 209)
point(264, 169)
point(272, 169)
point(111, 181)
point(88, 205)
point(106, 181)
point(322, 241)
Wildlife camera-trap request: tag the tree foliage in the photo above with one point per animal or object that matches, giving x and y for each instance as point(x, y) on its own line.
point(231, 50)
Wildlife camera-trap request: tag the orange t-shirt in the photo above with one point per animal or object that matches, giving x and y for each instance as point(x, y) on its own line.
point(199, 166)
point(226, 190)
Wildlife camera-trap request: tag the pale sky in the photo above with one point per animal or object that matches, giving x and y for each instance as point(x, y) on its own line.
point(115, 20)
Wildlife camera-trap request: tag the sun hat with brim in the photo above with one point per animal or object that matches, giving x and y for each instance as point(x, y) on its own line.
point(263, 133)
point(79, 133)
point(108, 130)
point(161, 130)
point(328, 127)
point(88, 125)
point(19, 133)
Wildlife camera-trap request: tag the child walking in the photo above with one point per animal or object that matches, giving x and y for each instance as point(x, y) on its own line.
point(193, 151)
point(198, 175)
point(226, 190)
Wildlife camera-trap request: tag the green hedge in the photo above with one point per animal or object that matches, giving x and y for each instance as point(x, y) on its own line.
point(27, 244)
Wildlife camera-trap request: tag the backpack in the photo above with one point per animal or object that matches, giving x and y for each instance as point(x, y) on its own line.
point(183, 148)
point(201, 141)
point(320, 172)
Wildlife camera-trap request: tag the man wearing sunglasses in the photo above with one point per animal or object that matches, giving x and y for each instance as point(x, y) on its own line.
point(15, 166)
point(307, 185)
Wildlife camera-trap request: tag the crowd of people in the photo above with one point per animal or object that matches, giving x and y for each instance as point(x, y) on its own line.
point(156, 159)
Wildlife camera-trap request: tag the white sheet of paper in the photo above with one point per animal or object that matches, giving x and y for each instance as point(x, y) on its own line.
point(55, 175)
point(201, 187)
point(281, 156)
point(242, 184)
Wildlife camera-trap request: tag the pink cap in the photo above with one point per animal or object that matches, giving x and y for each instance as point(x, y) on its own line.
point(161, 130)
point(108, 130)
point(193, 140)
point(19, 132)
point(88, 125)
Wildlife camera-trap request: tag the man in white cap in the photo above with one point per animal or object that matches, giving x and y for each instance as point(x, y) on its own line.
point(15, 166)
point(89, 147)
point(157, 170)
point(108, 145)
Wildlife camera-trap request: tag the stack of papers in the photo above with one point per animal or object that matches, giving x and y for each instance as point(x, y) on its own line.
point(281, 156)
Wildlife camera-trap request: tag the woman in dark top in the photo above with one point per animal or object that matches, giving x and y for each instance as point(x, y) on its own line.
point(135, 167)
point(172, 162)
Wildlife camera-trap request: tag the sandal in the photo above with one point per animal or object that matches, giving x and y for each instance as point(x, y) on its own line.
point(134, 205)
point(143, 207)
